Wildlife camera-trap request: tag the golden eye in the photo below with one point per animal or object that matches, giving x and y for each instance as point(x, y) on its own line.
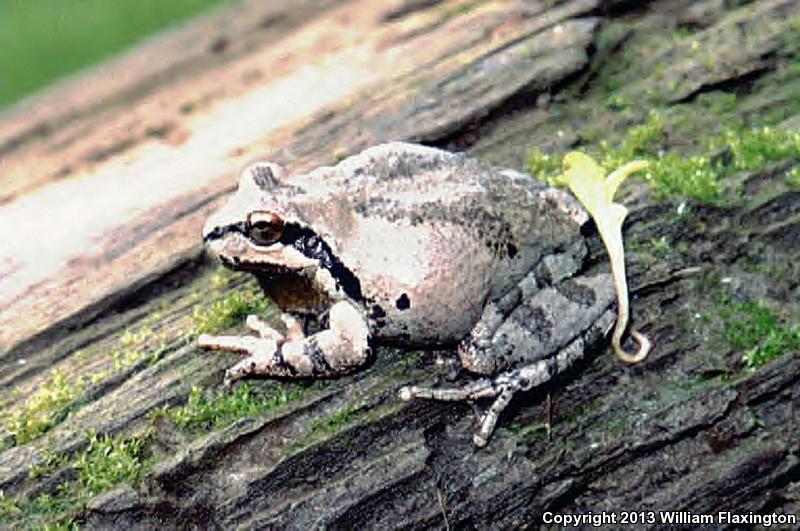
point(264, 228)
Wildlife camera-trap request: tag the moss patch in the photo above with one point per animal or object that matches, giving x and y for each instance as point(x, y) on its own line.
point(106, 462)
point(55, 397)
point(109, 461)
point(338, 420)
point(228, 311)
point(758, 331)
point(698, 176)
point(9, 508)
point(45, 408)
point(528, 433)
point(793, 177)
point(201, 413)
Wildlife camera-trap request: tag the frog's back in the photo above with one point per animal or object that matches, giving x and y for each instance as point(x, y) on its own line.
point(417, 184)
point(433, 235)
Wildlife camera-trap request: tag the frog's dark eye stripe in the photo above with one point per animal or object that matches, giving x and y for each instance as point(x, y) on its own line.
point(312, 246)
point(220, 232)
point(264, 228)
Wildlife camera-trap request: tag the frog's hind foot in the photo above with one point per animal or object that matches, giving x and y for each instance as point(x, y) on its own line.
point(501, 388)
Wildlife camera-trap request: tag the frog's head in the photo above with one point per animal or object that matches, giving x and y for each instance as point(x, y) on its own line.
point(257, 230)
point(260, 230)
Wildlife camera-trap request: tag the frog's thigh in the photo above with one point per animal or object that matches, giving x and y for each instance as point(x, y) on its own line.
point(527, 375)
point(537, 327)
point(478, 352)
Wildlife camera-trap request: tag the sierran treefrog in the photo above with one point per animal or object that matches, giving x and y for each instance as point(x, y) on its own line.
point(412, 245)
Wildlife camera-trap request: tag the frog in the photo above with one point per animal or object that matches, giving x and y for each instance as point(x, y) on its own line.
point(418, 247)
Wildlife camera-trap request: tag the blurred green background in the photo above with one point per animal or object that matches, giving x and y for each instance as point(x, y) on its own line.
point(44, 40)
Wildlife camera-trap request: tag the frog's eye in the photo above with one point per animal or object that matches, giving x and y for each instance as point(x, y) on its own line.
point(264, 228)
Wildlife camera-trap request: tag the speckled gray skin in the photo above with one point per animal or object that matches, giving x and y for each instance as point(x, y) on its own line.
point(415, 246)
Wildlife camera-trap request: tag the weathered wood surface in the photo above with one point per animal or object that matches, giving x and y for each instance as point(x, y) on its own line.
point(136, 163)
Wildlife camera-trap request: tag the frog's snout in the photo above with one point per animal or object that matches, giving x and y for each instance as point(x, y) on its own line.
point(212, 233)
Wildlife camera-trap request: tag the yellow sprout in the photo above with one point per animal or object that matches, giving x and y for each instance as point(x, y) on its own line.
point(595, 191)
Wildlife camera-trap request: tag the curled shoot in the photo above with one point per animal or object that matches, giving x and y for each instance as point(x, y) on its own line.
point(595, 191)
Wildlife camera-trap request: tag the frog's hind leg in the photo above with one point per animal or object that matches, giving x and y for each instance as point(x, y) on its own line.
point(478, 352)
point(503, 387)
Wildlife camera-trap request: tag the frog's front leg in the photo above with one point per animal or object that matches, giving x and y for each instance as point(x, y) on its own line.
point(332, 352)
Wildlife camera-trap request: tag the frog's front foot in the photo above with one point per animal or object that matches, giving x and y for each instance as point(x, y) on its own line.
point(262, 351)
point(328, 353)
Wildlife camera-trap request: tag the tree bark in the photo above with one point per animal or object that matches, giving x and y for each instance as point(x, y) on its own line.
point(690, 429)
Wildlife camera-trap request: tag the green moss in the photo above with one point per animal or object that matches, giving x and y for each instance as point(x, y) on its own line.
point(9, 508)
point(47, 406)
point(675, 175)
point(774, 345)
point(52, 401)
point(543, 166)
point(717, 103)
point(617, 103)
point(660, 248)
point(530, 432)
point(753, 149)
point(200, 413)
point(45, 510)
point(793, 177)
point(322, 428)
point(109, 461)
point(697, 176)
point(756, 329)
point(746, 323)
point(228, 311)
point(131, 338)
point(106, 462)
point(49, 464)
point(338, 420)
point(641, 141)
